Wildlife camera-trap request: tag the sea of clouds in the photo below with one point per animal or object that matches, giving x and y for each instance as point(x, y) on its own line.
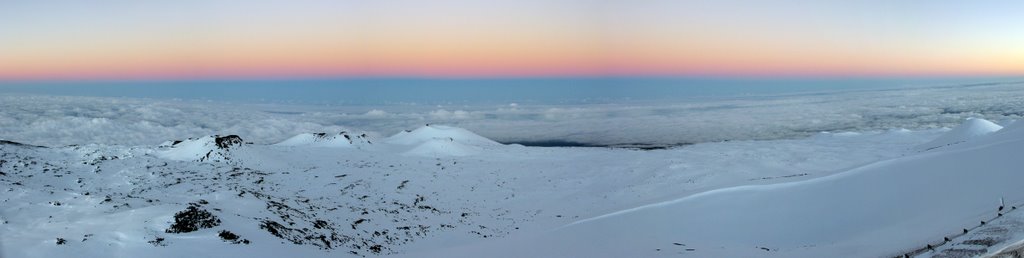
point(65, 120)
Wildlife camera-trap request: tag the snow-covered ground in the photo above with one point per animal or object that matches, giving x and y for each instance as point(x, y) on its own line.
point(444, 191)
point(417, 191)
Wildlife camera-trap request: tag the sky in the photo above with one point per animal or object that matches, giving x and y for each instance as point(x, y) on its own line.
point(200, 39)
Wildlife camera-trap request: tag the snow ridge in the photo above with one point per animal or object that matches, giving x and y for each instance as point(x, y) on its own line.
point(970, 129)
point(339, 140)
point(204, 149)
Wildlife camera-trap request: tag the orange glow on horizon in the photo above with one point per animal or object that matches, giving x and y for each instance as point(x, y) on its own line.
point(528, 38)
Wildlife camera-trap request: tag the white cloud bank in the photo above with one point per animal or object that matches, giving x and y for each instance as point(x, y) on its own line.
point(58, 120)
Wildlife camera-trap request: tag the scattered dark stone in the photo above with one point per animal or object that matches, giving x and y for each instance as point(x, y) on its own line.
point(192, 219)
point(159, 241)
point(983, 242)
point(376, 249)
point(227, 236)
point(959, 252)
point(302, 236)
point(323, 239)
point(320, 224)
point(357, 222)
point(273, 227)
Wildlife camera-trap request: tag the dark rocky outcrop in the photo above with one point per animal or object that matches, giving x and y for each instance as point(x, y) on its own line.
point(191, 219)
point(225, 142)
point(227, 236)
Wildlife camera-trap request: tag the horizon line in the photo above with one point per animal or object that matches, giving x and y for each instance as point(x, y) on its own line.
point(523, 77)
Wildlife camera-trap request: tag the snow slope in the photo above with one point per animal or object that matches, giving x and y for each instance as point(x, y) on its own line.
point(882, 209)
point(439, 132)
point(970, 129)
point(207, 148)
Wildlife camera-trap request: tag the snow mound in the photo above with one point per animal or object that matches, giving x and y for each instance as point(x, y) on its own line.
point(440, 140)
point(970, 129)
point(430, 133)
point(340, 140)
point(208, 148)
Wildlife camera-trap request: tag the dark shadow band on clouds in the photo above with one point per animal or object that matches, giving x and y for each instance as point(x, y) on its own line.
point(433, 91)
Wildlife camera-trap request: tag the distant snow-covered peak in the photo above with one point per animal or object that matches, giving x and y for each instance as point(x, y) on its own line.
point(207, 148)
point(440, 140)
point(339, 140)
point(970, 129)
point(430, 133)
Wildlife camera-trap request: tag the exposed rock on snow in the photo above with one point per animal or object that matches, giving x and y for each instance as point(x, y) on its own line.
point(227, 141)
point(191, 219)
point(970, 129)
point(209, 148)
point(340, 140)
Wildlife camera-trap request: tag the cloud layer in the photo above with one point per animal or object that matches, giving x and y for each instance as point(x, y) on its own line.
point(61, 120)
